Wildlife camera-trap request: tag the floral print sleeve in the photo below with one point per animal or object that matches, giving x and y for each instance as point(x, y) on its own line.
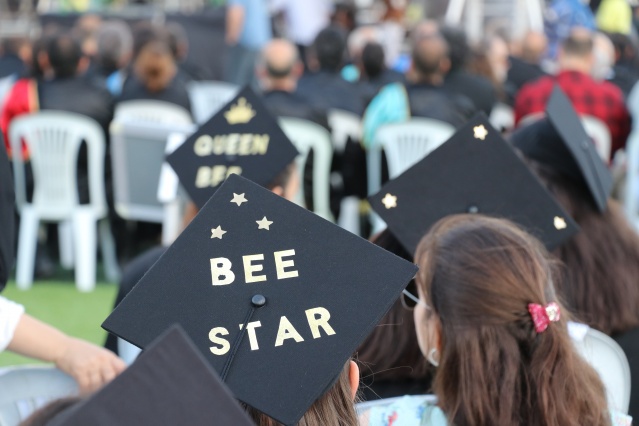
point(407, 411)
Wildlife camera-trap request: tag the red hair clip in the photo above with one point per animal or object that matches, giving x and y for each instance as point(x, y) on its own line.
point(543, 316)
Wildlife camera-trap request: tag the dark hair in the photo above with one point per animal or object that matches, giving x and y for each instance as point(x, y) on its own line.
point(391, 351)
point(577, 44)
point(329, 47)
point(64, 55)
point(45, 414)
point(373, 59)
point(625, 49)
point(115, 41)
point(428, 53)
point(154, 63)
point(478, 275)
point(177, 38)
point(458, 47)
point(601, 262)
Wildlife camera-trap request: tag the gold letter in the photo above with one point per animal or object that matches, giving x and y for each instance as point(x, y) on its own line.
point(249, 268)
point(245, 144)
point(250, 329)
point(231, 143)
point(260, 144)
point(218, 175)
point(287, 331)
point(221, 266)
point(219, 145)
point(237, 170)
point(218, 340)
point(315, 323)
point(281, 264)
point(203, 177)
point(202, 146)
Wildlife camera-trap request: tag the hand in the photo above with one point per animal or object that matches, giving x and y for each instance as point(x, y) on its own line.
point(90, 365)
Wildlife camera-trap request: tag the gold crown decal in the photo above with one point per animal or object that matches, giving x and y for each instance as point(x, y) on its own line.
point(241, 112)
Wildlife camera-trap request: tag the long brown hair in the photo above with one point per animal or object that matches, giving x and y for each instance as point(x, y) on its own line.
point(391, 351)
point(336, 407)
point(479, 274)
point(601, 262)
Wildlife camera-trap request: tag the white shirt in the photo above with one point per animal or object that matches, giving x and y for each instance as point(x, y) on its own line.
point(304, 18)
point(10, 313)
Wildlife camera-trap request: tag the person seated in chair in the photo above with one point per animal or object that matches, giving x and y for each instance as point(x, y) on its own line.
point(423, 96)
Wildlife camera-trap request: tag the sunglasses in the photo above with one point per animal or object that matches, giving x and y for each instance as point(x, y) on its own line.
point(409, 301)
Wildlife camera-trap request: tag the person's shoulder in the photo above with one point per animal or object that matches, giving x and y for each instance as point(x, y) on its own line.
point(612, 91)
point(542, 83)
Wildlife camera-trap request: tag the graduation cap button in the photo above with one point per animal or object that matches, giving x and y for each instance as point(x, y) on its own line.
point(258, 300)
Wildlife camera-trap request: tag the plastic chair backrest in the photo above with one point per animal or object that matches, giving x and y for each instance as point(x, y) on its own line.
point(610, 362)
point(404, 144)
point(54, 139)
point(306, 135)
point(138, 152)
point(25, 389)
point(152, 111)
point(502, 116)
point(344, 124)
point(207, 97)
point(600, 134)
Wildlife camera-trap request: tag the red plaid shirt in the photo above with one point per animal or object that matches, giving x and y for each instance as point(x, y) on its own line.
point(602, 100)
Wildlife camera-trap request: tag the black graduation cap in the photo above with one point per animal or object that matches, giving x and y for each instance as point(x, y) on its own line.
point(560, 141)
point(475, 171)
point(169, 384)
point(242, 138)
point(7, 216)
point(275, 297)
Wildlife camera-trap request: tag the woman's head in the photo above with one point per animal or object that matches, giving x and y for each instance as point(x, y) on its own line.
point(154, 64)
point(478, 275)
point(336, 407)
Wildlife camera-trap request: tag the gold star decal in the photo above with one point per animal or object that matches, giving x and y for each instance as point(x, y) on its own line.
point(389, 201)
point(264, 224)
point(217, 232)
point(480, 132)
point(560, 223)
point(239, 199)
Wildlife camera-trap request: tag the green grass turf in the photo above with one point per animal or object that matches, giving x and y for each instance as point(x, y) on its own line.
point(59, 303)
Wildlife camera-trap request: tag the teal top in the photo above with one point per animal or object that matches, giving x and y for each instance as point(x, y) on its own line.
point(389, 106)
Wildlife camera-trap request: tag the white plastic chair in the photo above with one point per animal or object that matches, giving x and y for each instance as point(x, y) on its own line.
point(54, 139)
point(404, 144)
point(25, 389)
point(208, 97)
point(306, 135)
point(345, 125)
point(600, 133)
point(502, 116)
point(138, 151)
point(608, 359)
point(152, 111)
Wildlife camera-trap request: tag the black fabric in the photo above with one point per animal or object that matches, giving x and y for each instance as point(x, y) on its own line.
point(332, 274)
point(430, 101)
point(7, 217)
point(475, 171)
point(522, 72)
point(169, 384)
point(131, 275)
point(190, 71)
point(560, 141)
point(328, 90)
point(11, 64)
point(476, 88)
point(629, 342)
point(287, 104)
point(175, 93)
point(242, 138)
point(624, 78)
point(371, 87)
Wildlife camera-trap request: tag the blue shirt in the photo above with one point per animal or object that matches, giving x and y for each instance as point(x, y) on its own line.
point(256, 31)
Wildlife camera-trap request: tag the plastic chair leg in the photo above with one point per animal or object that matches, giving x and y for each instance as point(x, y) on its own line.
point(85, 241)
point(65, 236)
point(107, 248)
point(349, 215)
point(28, 238)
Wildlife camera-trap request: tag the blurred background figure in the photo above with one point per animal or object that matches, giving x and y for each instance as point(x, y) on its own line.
point(526, 66)
point(604, 57)
point(248, 29)
point(15, 57)
point(154, 71)
point(114, 51)
point(179, 43)
point(303, 20)
point(625, 70)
